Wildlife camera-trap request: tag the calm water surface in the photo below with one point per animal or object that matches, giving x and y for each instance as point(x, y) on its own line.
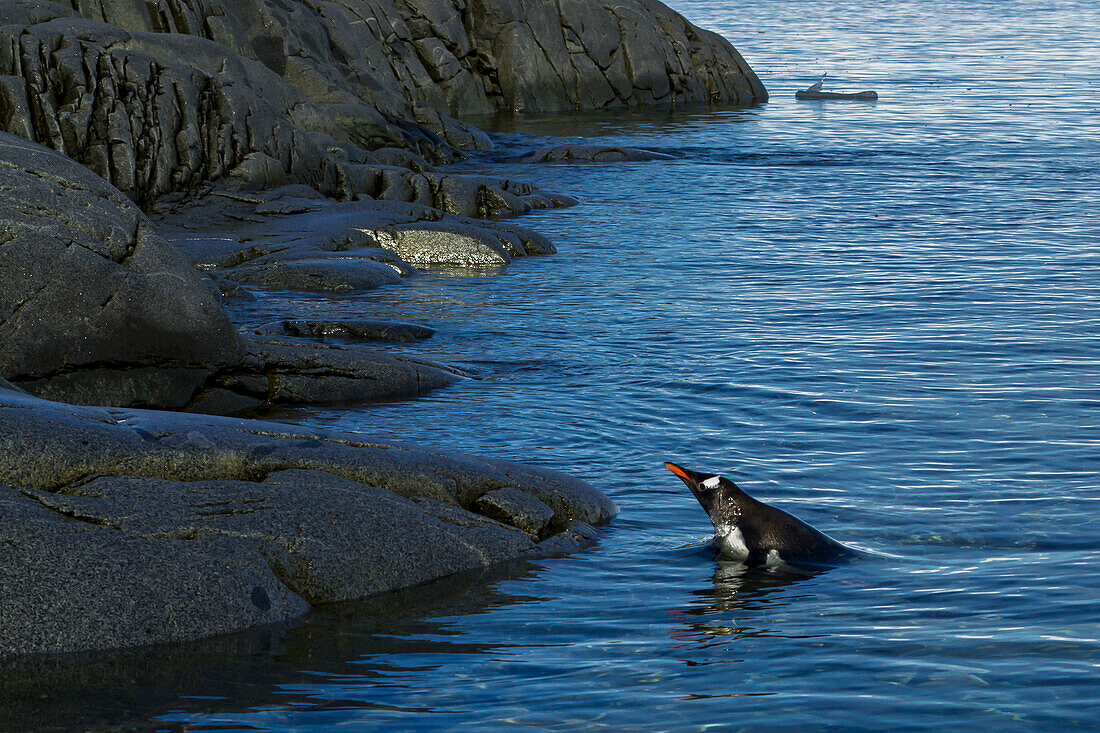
point(881, 317)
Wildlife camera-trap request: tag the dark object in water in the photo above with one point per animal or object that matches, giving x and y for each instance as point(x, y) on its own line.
point(814, 92)
point(808, 94)
point(756, 533)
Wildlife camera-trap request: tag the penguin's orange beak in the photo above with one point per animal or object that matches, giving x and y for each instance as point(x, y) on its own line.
point(683, 474)
point(691, 478)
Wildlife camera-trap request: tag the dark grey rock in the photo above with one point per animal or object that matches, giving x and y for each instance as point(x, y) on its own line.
point(517, 508)
point(75, 585)
point(141, 327)
point(92, 300)
point(155, 387)
point(5, 384)
point(230, 290)
point(363, 330)
point(328, 275)
point(591, 153)
point(259, 170)
point(224, 401)
point(130, 527)
point(265, 91)
point(302, 372)
point(229, 237)
point(347, 541)
point(574, 535)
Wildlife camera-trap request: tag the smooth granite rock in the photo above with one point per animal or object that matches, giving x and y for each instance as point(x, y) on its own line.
point(72, 584)
point(126, 527)
point(95, 307)
point(326, 538)
point(332, 274)
point(92, 691)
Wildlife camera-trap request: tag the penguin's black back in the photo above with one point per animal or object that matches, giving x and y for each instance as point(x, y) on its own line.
point(766, 528)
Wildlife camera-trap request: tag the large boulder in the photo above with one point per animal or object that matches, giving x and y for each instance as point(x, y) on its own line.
point(127, 527)
point(95, 307)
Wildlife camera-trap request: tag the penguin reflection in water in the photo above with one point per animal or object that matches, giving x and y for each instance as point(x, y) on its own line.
point(750, 530)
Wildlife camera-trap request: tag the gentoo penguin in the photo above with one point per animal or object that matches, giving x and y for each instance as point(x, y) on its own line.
point(750, 530)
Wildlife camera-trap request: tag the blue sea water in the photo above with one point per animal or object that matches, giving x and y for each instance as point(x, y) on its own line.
point(882, 317)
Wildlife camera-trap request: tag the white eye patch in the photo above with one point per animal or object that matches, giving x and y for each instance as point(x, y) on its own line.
point(711, 482)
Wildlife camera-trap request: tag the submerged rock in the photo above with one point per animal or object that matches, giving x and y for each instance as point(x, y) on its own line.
point(127, 527)
point(332, 274)
point(591, 153)
point(362, 330)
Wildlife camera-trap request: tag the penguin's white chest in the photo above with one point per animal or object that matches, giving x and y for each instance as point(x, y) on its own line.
point(731, 543)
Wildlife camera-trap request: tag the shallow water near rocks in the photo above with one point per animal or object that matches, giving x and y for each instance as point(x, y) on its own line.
point(881, 317)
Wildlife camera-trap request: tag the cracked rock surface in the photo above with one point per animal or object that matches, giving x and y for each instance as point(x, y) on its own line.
point(164, 95)
point(129, 527)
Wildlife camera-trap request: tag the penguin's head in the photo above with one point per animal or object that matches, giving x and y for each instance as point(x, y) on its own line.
point(718, 495)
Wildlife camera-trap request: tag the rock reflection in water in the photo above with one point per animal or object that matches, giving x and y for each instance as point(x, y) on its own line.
point(342, 644)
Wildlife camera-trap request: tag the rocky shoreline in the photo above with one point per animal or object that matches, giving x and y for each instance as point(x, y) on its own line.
point(160, 161)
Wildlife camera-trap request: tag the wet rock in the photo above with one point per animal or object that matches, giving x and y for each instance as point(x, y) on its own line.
point(328, 275)
point(276, 372)
point(329, 246)
point(216, 400)
point(516, 508)
point(131, 386)
point(591, 153)
point(362, 330)
point(125, 527)
point(5, 384)
point(311, 546)
point(142, 327)
point(232, 291)
point(442, 245)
